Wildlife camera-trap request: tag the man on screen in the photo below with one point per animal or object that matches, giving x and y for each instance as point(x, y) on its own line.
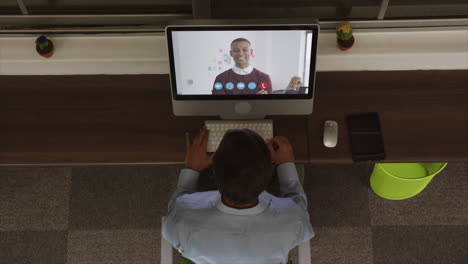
point(242, 78)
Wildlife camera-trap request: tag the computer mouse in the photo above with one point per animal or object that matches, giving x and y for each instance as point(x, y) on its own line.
point(330, 133)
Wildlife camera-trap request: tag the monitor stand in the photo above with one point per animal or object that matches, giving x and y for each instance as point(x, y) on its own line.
point(243, 110)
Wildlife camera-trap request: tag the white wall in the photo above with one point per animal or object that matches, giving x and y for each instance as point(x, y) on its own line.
point(278, 54)
point(287, 57)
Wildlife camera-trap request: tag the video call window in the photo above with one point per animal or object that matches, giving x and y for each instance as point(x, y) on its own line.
point(252, 62)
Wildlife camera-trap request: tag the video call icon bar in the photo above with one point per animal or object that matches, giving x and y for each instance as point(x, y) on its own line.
point(241, 86)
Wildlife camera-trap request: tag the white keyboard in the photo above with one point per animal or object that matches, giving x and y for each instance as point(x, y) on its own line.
point(217, 129)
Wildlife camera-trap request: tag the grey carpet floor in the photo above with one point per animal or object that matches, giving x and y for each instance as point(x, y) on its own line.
point(112, 214)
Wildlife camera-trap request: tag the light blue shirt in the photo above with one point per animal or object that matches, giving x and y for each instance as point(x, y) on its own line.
point(206, 231)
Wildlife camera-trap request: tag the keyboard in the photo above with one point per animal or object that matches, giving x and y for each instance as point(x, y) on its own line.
point(217, 129)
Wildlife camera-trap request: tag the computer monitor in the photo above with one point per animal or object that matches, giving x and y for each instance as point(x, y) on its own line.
point(242, 71)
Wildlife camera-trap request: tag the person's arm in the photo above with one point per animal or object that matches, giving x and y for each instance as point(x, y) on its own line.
point(187, 183)
point(290, 186)
point(196, 160)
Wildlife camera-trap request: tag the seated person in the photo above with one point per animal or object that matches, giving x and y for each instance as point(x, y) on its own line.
point(294, 85)
point(240, 222)
point(242, 78)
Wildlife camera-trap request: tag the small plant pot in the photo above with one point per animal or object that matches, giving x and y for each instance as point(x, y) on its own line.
point(345, 44)
point(46, 52)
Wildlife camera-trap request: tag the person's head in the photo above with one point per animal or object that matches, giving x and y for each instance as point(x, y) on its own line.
point(241, 51)
point(295, 83)
point(242, 165)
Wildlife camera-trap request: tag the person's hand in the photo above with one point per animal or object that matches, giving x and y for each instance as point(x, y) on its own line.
point(262, 92)
point(196, 157)
point(281, 150)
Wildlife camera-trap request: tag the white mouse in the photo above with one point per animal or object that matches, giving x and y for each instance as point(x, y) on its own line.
point(330, 133)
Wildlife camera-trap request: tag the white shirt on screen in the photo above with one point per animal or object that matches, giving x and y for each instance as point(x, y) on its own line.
point(244, 71)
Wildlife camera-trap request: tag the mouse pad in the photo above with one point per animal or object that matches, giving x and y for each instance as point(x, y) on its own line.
point(365, 137)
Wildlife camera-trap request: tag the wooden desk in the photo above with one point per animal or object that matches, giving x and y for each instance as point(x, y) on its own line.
point(128, 119)
point(423, 114)
point(102, 119)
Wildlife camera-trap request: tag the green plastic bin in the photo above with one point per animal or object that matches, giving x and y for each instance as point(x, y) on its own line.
point(397, 181)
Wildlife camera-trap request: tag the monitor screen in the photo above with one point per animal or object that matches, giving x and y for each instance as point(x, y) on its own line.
point(242, 62)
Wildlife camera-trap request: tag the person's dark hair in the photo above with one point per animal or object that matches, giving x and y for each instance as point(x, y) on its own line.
point(242, 166)
point(240, 39)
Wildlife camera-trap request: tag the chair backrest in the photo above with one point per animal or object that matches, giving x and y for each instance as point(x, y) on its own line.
point(166, 248)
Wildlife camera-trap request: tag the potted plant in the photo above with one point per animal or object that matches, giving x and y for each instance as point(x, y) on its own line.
point(345, 38)
point(44, 47)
